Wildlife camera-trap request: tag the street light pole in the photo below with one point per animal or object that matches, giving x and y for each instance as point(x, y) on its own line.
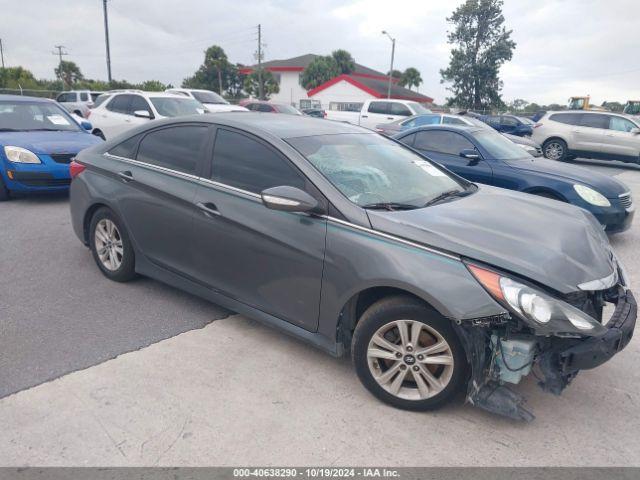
point(106, 38)
point(393, 51)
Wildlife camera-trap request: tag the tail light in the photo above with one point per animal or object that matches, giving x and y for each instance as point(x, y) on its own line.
point(76, 168)
point(88, 114)
point(324, 114)
point(536, 125)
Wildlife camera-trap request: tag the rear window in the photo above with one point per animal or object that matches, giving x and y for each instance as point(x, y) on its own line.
point(126, 149)
point(594, 120)
point(177, 148)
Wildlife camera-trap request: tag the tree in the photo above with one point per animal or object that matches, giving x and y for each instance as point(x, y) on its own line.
point(68, 72)
point(344, 60)
point(153, 86)
point(481, 46)
point(395, 74)
point(269, 82)
point(235, 80)
point(215, 58)
point(410, 78)
point(213, 73)
point(518, 104)
point(319, 71)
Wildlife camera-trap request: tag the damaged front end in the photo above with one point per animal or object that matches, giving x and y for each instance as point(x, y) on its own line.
point(553, 338)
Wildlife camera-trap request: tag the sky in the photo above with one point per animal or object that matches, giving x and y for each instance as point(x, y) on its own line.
point(564, 47)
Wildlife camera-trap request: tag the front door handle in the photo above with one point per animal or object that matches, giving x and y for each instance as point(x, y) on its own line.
point(208, 208)
point(389, 118)
point(364, 116)
point(126, 175)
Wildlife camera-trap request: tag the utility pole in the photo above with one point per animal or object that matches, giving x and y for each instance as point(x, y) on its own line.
point(60, 53)
point(393, 51)
point(1, 53)
point(106, 38)
point(260, 86)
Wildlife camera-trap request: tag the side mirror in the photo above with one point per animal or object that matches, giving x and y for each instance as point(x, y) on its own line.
point(470, 153)
point(86, 125)
point(288, 199)
point(142, 114)
point(635, 131)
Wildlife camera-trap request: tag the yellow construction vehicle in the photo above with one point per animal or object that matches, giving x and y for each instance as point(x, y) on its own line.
point(632, 107)
point(583, 103)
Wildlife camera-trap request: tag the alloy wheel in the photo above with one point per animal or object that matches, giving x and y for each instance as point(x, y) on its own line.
point(410, 359)
point(553, 151)
point(108, 244)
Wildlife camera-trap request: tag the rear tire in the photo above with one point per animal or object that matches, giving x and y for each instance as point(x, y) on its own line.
point(555, 149)
point(111, 247)
point(407, 355)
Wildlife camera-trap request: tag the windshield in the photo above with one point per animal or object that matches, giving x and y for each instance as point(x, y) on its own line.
point(498, 146)
point(526, 121)
point(27, 117)
point(368, 169)
point(477, 123)
point(176, 107)
point(208, 97)
point(288, 109)
point(418, 109)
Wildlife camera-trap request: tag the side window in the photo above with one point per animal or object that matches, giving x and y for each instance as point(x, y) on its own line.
point(450, 143)
point(594, 120)
point(61, 98)
point(84, 97)
point(509, 121)
point(620, 124)
point(452, 121)
point(492, 120)
point(251, 106)
point(119, 104)
point(409, 139)
point(178, 148)
point(379, 107)
point(126, 149)
point(400, 109)
point(245, 163)
point(263, 107)
point(566, 118)
point(138, 103)
point(428, 120)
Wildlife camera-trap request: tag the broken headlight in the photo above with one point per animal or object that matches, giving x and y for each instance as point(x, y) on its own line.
point(544, 313)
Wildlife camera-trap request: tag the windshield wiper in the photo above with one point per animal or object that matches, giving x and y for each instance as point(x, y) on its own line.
point(391, 206)
point(445, 195)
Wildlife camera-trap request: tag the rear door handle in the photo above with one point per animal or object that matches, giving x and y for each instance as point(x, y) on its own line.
point(390, 118)
point(126, 175)
point(208, 208)
point(364, 116)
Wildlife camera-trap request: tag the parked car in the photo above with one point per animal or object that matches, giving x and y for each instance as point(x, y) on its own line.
point(270, 107)
point(485, 156)
point(314, 112)
point(375, 112)
point(511, 124)
point(38, 139)
point(78, 101)
point(605, 136)
point(401, 125)
point(355, 243)
point(211, 100)
point(124, 110)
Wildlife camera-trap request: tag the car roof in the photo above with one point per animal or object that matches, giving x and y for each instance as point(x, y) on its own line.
point(453, 128)
point(279, 126)
point(148, 94)
point(22, 98)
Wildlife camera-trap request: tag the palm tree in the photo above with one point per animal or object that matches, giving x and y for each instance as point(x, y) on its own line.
point(410, 78)
point(68, 72)
point(346, 63)
point(319, 71)
point(214, 57)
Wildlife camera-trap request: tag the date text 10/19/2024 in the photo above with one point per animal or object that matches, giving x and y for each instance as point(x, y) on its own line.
point(316, 472)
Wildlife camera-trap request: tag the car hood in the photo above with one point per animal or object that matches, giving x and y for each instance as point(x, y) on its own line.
point(223, 107)
point(50, 142)
point(549, 242)
point(608, 186)
point(521, 140)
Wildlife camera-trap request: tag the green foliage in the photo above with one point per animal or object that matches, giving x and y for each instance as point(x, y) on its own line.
point(518, 105)
point(17, 77)
point(252, 87)
point(319, 71)
point(345, 62)
point(69, 73)
point(215, 73)
point(395, 73)
point(481, 45)
point(410, 78)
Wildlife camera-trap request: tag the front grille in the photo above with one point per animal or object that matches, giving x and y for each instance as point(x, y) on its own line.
point(47, 182)
point(625, 200)
point(62, 157)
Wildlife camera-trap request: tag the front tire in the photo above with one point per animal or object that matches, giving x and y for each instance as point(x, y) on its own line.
point(111, 246)
point(555, 149)
point(407, 355)
point(4, 193)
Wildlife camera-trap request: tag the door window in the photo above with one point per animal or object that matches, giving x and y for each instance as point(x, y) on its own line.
point(242, 162)
point(84, 97)
point(450, 143)
point(566, 118)
point(509, 122)
point(119, 104)
point(594, 120)
point(379, 107)
point(621, 124)
point(400, 109)
point(177, 148)
point(126, 149)
point(263, 107)
point(452, 121)
point(138, 103)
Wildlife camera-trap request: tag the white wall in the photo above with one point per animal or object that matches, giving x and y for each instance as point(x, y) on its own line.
point(341, 92)
point(290, 89)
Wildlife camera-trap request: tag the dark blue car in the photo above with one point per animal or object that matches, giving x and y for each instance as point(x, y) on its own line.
point(511, 124)
point(484, 156)
point(38, 139)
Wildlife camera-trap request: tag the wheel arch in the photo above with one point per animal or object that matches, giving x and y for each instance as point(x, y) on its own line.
point(542, 190)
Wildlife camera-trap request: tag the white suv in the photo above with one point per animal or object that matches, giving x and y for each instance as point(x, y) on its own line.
point(124, 110)
point(211, 100)
point(601, 135)
point(78, 101)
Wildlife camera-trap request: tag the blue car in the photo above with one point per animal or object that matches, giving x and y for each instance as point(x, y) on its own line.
point(38, 139)
point(511, 124)
point(484, 156)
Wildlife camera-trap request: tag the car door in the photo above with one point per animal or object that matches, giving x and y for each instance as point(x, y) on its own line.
point(588, 135)
point(509, 124)
point(161, 184)
point(444, 147)
point(619, 140)
point(138, 104)
point(112, 120)
point(377, 112)
point(267, 259)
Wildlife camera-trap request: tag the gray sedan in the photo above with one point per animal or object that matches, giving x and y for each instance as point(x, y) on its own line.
point(354, 243)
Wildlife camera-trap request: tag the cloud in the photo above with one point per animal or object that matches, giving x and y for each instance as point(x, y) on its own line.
point(565, 48)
